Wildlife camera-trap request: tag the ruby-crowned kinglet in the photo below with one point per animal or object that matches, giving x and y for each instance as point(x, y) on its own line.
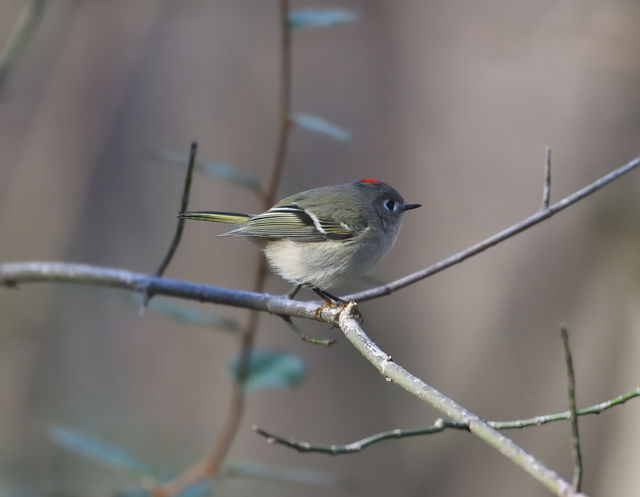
point(322, 237)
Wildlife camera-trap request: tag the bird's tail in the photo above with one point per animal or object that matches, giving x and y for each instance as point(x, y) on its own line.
point(216, 217)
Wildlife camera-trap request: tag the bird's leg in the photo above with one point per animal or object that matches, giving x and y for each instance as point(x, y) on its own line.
point(294, 291)
point(329, 302)
point(329, 298)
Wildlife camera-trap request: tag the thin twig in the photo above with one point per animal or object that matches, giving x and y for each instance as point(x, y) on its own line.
point(349, 448)
point(184, 205)
point(236, 409)
point(327, 342)
point(350, 325)
point(495, 239)
point(284, 111)
point(211, 465)
point(248, 335)
point(576, 454)
point(546, 192)
point(437, 427)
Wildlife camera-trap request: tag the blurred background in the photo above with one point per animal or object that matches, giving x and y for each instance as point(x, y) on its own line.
point(450, 102)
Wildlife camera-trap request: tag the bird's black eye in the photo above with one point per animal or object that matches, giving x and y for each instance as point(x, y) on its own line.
point(389, 204)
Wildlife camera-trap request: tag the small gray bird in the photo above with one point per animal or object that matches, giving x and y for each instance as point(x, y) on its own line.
point(322, 237)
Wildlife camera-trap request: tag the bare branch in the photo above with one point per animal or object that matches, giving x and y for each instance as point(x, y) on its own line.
point(284, 111)
point(575, 434)
point(352, 447)
point(184, 205)
point(565, 415)
point(495, 239)
point(350, 326)
point(306, 338)
point(546, 191)
point(437, 427)
point(14, 273)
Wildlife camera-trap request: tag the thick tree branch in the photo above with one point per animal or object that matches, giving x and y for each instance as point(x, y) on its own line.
point(13, 274)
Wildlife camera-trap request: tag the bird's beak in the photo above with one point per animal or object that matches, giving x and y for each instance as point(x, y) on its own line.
point(408, 207)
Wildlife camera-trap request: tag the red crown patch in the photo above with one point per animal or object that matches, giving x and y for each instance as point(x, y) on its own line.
point(370, 180)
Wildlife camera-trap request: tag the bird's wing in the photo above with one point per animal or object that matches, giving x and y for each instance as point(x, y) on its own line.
point(291, 221)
